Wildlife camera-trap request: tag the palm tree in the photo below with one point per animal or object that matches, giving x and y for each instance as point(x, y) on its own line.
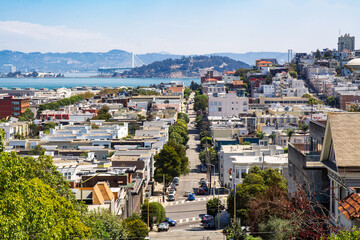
point(304, 128)
point(272, 136)
point(289, 132)
point(312, 101)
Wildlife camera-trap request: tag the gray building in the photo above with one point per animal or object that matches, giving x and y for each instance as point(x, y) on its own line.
point(346, 42)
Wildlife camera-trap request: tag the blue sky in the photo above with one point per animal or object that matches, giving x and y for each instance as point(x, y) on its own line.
point(181, 27)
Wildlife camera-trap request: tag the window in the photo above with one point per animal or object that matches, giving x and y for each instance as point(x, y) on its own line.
point(103, 156)
point(219, 103)
point(232, 108)
point(75, 146)
point(237, 173)
point(245, 109)
point(245, 103)
point(211, 103)
point(232, 102)
point(219, 109)
point(215, 103)
point(16, 114)
point(64, 147)
point(243, 173)
point(15, 103)
point(15, 108)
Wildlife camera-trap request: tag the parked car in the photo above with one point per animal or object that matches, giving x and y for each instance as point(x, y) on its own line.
point(173, 186)
point(171, 197)
point(171, 222)
point(201, 191)
point(176, 182)
point(191, 197)
point(206, 217)
point(164, 226)
point(205, 187)
point(172, 192)
point(187, 193)
point(209, 224)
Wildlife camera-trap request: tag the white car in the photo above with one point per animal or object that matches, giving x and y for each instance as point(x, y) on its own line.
point(172, 192)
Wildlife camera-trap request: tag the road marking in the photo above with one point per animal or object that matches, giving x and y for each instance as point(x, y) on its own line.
point(187, 220)
point(194, 219)
point(181, 220)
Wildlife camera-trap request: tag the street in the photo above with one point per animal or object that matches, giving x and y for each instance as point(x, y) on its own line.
point(186, 213)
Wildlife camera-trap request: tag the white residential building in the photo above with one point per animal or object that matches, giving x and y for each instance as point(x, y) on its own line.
point(228, 151)
point(228, 104)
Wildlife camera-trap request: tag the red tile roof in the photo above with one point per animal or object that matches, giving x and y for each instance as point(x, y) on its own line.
point(350, 206)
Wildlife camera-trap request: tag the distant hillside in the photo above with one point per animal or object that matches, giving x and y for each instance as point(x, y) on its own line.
point(91, 61)
point(251, 57)
point(185, 67)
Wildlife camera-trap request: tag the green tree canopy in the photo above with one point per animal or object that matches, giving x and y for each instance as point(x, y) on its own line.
point(201, 102)
point(156, 212)
point(135, 227)
point(28, 115)
point(277, 229)
point(211, 153)
point(183, 116)
point(293, 74)
point(181, 152)
point(254, 183)
point(103, 114)
point(37, 150)
point(213, 206)
point(167, 163)
point(105, 225)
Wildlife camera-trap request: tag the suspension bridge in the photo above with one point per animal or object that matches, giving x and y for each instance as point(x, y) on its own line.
point(135, 62)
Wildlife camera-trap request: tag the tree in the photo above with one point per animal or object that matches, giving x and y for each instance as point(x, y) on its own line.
point(187, 93)
point(272, 136)
point(94, 126)
point(293, 74)
point(211, 153)
point(183, 116)
point(277, 229)
point(181, 152)
point(180, 129)
point(354, 234)
point(37, 150)
point(332, 101)
point(201, 103)
point(289, 132)
point(176, 137)
point(156, 212)
point(33, 130)
point(312, 101)
point(48, 126)
point(304, 129)
point(260, 134)
point(234, 231)
point(135, 227)
point(167, 163)
point(28, 115)
point(213, 206)
point(255, 182)
point(36, 201)
point(105, 225)
point(194, 86)
point(318, 54)
point(103, 114)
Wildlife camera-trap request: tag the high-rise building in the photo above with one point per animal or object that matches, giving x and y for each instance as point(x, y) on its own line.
point(9, 68)
point(346, 42)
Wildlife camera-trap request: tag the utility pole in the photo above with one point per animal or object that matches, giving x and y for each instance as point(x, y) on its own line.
point(234, 199)
point(164, 188)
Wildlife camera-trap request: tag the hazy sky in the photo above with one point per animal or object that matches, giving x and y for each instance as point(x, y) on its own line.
point(181, 27)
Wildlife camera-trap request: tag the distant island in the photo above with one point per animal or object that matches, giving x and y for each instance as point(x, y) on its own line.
point(184, 67)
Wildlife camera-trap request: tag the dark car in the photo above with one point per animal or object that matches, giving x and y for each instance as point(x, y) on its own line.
point(191, 197)
point(205, 187)
point(201, 191)
point(209, 224)
point(206, 217)
point(171, 222)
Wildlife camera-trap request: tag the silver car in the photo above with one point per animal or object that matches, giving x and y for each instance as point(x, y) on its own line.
point(164, 226)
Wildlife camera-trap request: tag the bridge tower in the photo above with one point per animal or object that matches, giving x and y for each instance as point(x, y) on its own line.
point(132, 60)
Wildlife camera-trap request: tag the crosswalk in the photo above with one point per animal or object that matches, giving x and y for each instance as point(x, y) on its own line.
point(222, 198)
point(187, 220)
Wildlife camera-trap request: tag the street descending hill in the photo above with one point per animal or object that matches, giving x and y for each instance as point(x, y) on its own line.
point(185, 67)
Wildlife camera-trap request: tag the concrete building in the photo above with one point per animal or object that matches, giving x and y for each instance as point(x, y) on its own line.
point(346, 42)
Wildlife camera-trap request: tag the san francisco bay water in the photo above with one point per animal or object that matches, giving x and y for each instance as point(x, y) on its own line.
point(69, 82)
